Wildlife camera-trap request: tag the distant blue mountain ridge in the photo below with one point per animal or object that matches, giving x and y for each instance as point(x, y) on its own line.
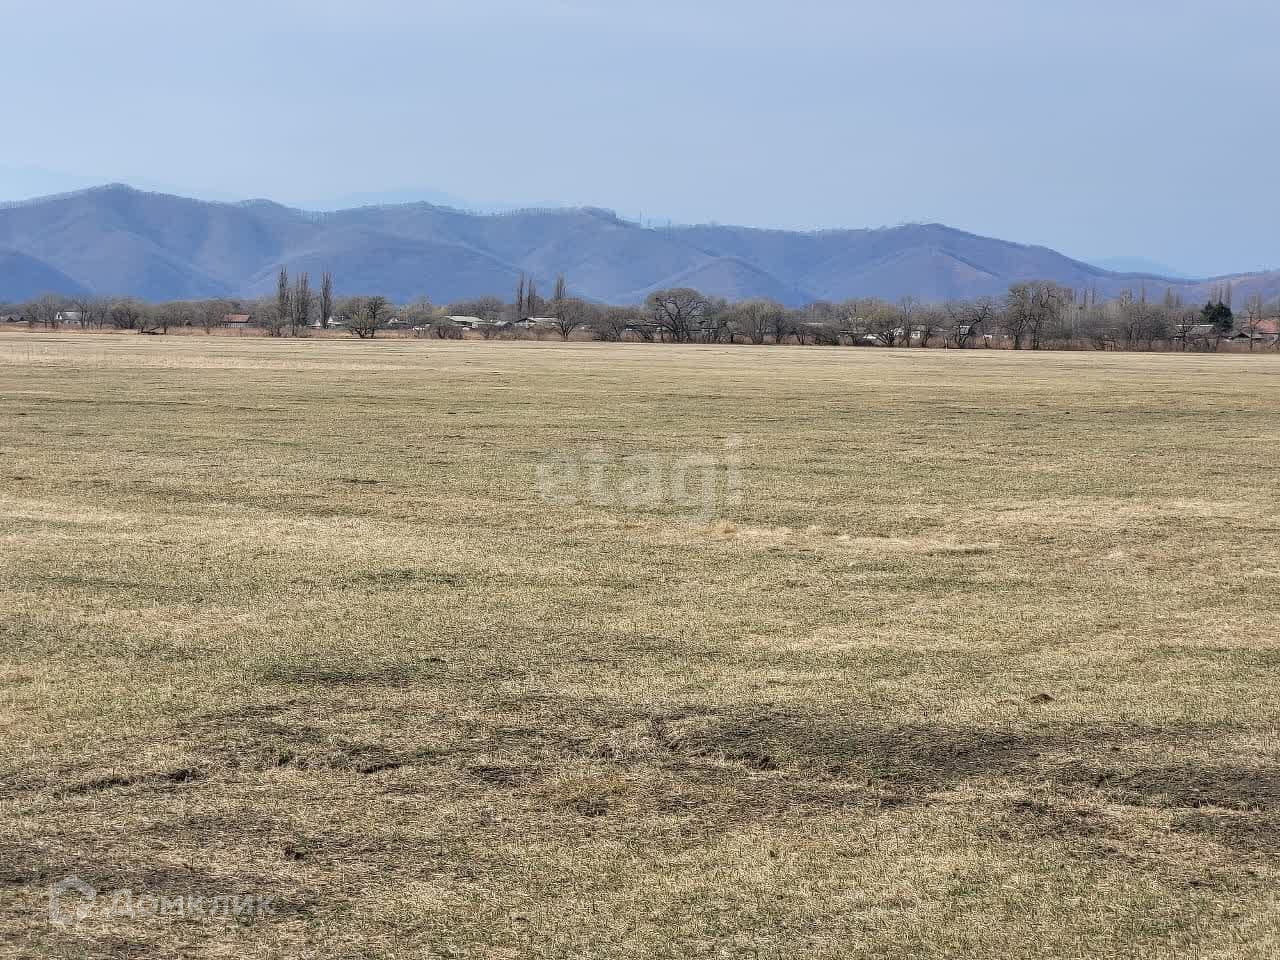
point(116, 240)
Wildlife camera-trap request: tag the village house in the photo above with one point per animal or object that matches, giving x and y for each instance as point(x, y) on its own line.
point(1260, 331)
point(538, 323)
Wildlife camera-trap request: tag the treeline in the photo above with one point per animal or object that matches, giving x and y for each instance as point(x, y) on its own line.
point(1033, 315)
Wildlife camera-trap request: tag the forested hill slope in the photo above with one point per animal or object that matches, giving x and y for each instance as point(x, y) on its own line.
point(117, 240)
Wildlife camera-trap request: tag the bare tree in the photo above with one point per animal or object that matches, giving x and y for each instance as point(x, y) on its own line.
point(1030, 309)
point(420, 314)
point(211, 314)
point(908, 312)
point(374, 310)
point(930, 321)
point(1127, 319)
point(755, 319)
point(1182, 320)
point(1255, 312)
point(969, 320)
point(826, 333)
point(126, 314)
point(959, 330)
point(300, 305)
point(365, 316)
point(714, 327)
point(151, 318)
point(882, 322)
point(44, 310)
point(98, 311)
point(1050, 304)
point(1015, 318)
point(158, 318)
point(79, 312)
point(94, 311)
point(442, 328)
point(326, 299)
point(782, 325)
point(566, 316)
point(277, 319)
point(1136, 323)
point(677, 313)
point(571, 314)
point(612, 323)
point(1099, 327)
point(521, 294)
point(822, 320)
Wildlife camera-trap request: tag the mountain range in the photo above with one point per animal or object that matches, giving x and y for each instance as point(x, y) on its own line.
point(116, 240)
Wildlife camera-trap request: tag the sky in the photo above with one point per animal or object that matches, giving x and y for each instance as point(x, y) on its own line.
point(1123, 128)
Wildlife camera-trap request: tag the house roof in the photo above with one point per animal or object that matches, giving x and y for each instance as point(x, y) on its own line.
point(237, 318)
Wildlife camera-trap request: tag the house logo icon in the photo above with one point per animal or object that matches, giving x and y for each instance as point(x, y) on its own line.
point(70, 901)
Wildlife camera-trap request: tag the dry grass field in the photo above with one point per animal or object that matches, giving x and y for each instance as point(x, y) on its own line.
point(959, 653)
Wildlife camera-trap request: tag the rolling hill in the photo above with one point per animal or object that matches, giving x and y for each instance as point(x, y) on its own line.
point(23, 278)
point(118, 240)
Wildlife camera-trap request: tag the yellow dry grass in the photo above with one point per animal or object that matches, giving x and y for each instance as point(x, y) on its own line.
point(981, 663)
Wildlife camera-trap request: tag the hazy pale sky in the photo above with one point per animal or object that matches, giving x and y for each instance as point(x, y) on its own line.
point(1125, 127)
